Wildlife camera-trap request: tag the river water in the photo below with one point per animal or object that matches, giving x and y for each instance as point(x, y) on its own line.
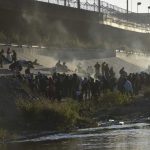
point(115, 137)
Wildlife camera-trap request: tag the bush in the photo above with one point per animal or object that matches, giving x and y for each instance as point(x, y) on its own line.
point(49, 115)
point(114, 99)
point(147, 92)
point(3, 135)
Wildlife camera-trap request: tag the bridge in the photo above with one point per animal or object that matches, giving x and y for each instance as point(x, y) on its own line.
point(66, 25)
point(112, 15)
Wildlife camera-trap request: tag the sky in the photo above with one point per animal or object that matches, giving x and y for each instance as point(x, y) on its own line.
point(143, 8)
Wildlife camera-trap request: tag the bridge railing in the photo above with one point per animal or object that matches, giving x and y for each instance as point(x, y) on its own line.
point(91, 6)
point(110, 12)
point(124, 24)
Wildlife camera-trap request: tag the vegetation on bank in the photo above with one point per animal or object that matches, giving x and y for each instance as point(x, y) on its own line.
point(68, 114)
point(146, 92)
point(41, 114)
point(48, 115)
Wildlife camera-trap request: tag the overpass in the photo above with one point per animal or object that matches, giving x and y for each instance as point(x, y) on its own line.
point(112, 15)
point(34, 22)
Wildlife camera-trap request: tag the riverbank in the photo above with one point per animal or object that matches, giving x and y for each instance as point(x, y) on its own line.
point(24, 112)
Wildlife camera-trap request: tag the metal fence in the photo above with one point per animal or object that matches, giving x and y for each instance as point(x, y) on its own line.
point(111, 13)
point(91, 6)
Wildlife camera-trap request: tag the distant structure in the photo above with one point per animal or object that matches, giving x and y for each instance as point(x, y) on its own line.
point(112, 15)
point(75, 24)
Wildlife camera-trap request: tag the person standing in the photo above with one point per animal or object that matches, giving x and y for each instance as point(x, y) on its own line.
point(14, 56)
point(128, 87)
point(9, 58)
point(97, 69)
point(103, 68)
point(1, 58)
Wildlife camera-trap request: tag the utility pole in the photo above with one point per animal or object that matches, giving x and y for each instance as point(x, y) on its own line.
point(99, 6)
point(138, 4)
point(148, 9)
point(127, 10)
point(65, 2)
point(127, 6)
point(78, 4)
point(131, 5)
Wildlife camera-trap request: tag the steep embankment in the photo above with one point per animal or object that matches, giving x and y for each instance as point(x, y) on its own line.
point(10, 90)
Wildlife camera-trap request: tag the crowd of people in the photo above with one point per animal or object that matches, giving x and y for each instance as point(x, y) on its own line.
point(58, 86)
point(10, 57)
point(62, 85)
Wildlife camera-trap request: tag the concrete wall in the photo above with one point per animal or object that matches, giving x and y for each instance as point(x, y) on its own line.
point(40, 23)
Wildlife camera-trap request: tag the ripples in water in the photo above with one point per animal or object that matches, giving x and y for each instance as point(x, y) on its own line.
point(117, 137)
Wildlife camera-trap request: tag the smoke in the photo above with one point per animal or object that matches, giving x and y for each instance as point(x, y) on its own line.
point(132, 63)
point(49, 32)
point(52, 32)
point(28, 18)
point(138, 59)
point(128, 62)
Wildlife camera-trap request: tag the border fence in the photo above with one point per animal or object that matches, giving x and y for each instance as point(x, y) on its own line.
point(113, 15)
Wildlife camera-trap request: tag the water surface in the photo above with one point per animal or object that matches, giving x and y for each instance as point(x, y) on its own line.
point(116, 137)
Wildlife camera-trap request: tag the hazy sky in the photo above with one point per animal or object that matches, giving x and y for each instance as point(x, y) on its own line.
point(122, 3)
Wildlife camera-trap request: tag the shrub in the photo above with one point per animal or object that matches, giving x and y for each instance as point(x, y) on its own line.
point(147, 92)
point(3, 135)
point(114, 99)
point(49, 115)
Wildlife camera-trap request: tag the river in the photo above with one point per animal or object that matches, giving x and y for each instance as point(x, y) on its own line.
point(115, 137)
